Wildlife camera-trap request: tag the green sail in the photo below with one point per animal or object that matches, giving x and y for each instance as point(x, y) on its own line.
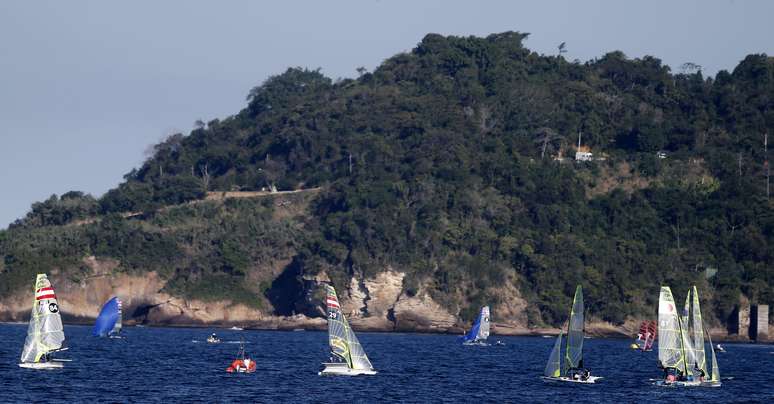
point(554, 365)
point(574, 355)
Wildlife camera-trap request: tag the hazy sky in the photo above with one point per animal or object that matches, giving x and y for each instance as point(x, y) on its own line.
point(87, 86)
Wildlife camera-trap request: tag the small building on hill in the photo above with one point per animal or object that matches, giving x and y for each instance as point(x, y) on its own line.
point(584, 154)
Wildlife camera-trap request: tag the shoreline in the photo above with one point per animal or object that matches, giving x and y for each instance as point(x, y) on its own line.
point(536, 332)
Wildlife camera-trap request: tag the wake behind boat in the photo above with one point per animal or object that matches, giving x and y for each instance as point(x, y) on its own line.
point(573, 370)
point(45, 334)
point(347, 355)
point(480, 330)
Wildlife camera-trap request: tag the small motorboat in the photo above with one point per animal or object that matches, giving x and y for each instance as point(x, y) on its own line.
point(213, 339)
point(720, 348)
point(242, 364)
point(499, 343)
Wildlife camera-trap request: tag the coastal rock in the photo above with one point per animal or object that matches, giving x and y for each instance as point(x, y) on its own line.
point(421, 313)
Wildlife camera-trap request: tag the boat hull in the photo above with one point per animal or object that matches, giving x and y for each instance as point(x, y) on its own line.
point(590, 380)
point(42, 365)
point(663, 383)
point(476, 343)
point(341, 369)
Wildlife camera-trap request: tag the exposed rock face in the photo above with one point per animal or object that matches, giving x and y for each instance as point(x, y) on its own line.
point(377, 304)
point(421, 313)
point(141, 297)
point(509, 316)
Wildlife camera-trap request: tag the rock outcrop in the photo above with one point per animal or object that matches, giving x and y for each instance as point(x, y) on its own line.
point(376, 304)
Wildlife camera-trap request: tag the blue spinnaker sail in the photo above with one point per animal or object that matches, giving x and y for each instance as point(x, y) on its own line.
point(480, 330)
point(108, 317)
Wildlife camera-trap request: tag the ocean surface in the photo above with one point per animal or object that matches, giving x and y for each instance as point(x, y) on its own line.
point(175, 365)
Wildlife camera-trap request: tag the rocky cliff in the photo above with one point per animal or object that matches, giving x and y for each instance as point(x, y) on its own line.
point(374, 304)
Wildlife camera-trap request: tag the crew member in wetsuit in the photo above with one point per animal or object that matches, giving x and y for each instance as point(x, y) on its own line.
point(698, 371)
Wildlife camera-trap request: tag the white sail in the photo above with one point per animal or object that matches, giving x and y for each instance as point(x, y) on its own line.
point(697, 333)
point(715, 375)
point(554, 365)
point(686, 333)
point(45, 332)
point(671, 352)
point(483, 330)
point(117, 327)
point(341, 338)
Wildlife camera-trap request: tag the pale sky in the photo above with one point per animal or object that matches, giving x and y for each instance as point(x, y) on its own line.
point(87, 86)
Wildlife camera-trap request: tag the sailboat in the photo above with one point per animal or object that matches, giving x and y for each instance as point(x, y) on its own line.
point(480, 330)
point(646, 336)
point(573, 370)
point(108, 322)
point(45, 334)
point(681, 343)
point(347, 355)
point(695, 333)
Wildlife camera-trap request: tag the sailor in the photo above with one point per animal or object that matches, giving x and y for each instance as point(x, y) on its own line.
point(699, 371)
point(246, 362)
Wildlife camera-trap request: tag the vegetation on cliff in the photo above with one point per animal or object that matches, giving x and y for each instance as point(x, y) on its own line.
point(446, 163)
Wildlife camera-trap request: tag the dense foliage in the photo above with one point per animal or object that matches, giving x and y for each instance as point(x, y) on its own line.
point(441, 163)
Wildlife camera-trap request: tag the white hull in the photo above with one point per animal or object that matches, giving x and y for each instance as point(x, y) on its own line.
point(476, 343)
point(341, 369)
point(590, 380)
point(663, 383)
point(42, 365)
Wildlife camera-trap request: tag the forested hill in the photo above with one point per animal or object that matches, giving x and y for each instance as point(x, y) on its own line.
point(455, 164)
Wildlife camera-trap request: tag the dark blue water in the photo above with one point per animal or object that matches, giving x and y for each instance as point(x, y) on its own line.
point(163, 364)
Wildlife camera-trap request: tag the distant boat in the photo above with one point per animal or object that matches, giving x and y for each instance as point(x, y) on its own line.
point(235, 328)
point(242, 364)
point(646, 336)
point(480, 330)
point(45, 334)
point(347, 355)
point(108, 322)
point(572, 370)
point(213, 339)
point(681, 351)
